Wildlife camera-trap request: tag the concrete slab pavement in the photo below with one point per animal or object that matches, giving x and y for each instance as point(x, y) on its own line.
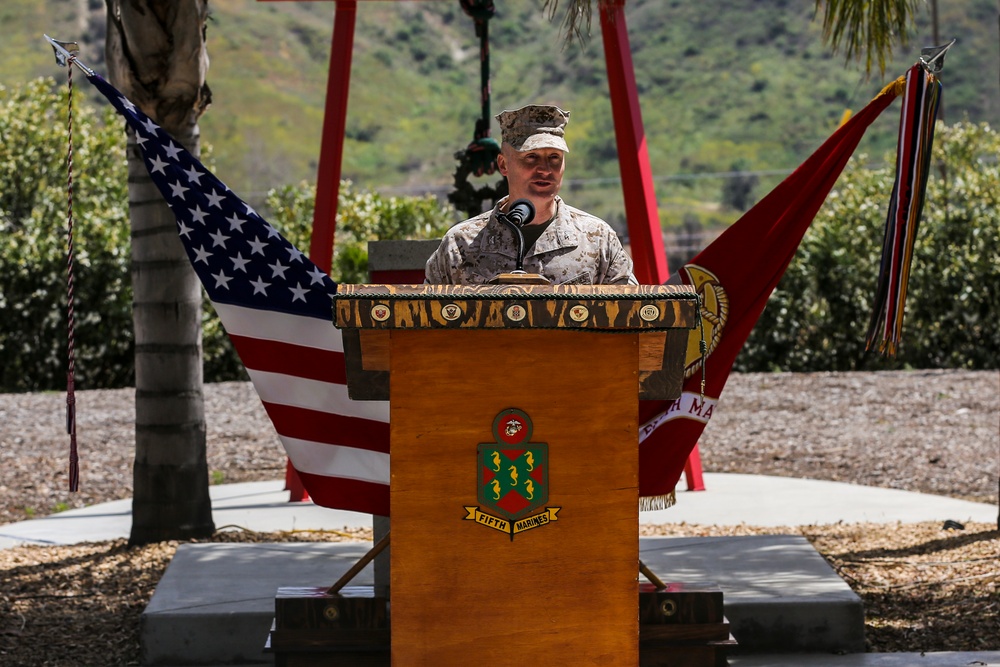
point(215, 603)
point(758, 500)
point(731, 499)
point(258, 506)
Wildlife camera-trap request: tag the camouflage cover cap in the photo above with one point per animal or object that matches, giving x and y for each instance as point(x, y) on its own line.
point(534, 126)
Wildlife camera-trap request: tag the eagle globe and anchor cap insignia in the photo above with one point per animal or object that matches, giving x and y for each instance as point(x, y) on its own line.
point(512, 478)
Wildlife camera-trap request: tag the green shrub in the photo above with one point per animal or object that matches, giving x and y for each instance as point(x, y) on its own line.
point(362, 216)
point(33, 243)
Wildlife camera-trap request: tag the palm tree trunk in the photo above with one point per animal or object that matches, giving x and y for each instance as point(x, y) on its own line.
point(156, 57)
point(170, 474)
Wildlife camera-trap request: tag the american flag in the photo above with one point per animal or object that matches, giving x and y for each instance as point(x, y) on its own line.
point(275, 304)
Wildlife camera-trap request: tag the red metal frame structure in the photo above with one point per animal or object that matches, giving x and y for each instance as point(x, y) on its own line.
point(331, 158)
point(633, 158)
point(643, 216)
point(331, 153)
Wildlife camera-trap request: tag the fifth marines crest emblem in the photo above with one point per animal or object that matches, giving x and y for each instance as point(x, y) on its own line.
point(513, 478)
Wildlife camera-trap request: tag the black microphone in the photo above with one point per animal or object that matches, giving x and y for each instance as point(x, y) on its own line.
point(521, 212)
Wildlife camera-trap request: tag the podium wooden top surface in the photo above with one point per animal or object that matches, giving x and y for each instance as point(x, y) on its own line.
point(636, 308)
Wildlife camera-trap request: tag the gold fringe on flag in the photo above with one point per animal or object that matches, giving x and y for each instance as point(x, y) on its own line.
point(894, 88)
point(653, 503)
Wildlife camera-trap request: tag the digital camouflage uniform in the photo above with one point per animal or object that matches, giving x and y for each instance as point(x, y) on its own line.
point(576, 249)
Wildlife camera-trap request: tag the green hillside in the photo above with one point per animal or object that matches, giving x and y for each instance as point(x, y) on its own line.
point(721, 82)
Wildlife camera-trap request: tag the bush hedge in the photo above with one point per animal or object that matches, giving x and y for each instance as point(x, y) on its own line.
point(33, 243)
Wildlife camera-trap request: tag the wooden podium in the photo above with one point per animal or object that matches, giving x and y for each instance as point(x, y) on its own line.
point(514, 474)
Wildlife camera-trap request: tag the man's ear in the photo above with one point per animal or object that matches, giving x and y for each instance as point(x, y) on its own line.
point(502, 164)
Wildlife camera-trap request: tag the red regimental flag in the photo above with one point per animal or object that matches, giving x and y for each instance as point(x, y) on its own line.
point(735, 275)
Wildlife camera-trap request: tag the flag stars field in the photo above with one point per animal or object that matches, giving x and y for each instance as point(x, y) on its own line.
point(177, 190)
point(257, 247)
point(198, 215)
point(157, 165)
point(239, 263)
point(259, 286)
point(222, 280)
point(218, 239)
point(193, 176)
point(215, 199)
point(316, 276)
point(278, 270)
point(236, 223)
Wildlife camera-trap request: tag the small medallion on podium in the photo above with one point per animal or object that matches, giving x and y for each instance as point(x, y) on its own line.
point(451, 311)
point(579, 313)
point(516, 312)
point(649, 312)
point(512, 478)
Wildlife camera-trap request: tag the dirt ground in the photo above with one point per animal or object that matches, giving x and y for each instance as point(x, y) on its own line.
point(925, 587)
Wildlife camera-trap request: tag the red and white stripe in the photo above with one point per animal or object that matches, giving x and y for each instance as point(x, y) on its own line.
point(339, 447)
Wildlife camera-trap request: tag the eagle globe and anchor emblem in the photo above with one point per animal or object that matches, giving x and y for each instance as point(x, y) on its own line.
point(513, 478)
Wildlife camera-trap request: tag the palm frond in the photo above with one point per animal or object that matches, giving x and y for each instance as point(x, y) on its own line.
point(867, 29)
point(576, 22)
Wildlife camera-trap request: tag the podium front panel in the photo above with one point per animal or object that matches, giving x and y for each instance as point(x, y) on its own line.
point(563, 591)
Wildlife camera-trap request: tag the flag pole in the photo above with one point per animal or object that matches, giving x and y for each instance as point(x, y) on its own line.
point(65, 57)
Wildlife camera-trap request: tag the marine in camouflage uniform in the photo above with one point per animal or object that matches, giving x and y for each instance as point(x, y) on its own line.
point(572, 246)
point(576, 249)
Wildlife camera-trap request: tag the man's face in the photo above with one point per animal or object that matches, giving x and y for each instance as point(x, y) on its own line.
point(536, 174)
